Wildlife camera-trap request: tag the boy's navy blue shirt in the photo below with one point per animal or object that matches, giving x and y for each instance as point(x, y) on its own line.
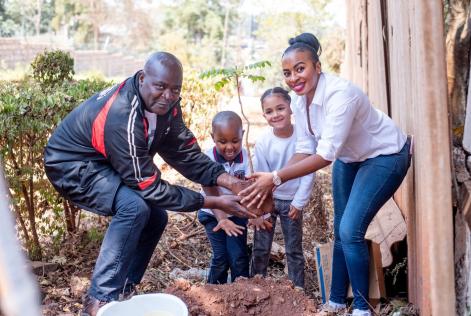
point(238, 168)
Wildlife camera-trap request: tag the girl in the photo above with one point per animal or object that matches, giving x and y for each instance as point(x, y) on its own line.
point(272, 151)
point(337, 123)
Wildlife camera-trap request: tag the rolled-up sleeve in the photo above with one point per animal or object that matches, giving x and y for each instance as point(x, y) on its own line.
point(340, 114)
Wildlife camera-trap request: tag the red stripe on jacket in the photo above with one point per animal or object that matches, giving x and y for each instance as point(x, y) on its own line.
point(191, 142)
point(98, 128)
point(144, 184)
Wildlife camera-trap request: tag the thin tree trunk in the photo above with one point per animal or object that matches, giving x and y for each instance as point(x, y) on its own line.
point(38, 16)
point(70, 213)
point(248, 125)
point(68, 225)
point(37, 253)
point(21, 220)
point(224, 41)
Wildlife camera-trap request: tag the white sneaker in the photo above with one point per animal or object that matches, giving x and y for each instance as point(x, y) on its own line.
point(360, 312)
point(331, 309)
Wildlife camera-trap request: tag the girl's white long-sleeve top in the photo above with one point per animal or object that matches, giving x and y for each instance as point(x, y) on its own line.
point(272, 153)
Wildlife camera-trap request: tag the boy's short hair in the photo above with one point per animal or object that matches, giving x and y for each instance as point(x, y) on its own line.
point(226, 117)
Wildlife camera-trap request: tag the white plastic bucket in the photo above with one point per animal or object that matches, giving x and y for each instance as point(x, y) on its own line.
point(146, 305)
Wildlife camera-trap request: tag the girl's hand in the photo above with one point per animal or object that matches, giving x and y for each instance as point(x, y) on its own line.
point(257, 192)
point(231, 228)
point(260, 223)
point(294, 213)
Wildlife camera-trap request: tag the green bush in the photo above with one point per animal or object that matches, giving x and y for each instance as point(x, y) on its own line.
point(52, 68)
point(199, 105)
point(28, 115)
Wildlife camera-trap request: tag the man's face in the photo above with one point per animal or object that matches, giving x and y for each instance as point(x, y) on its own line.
point(160, 87)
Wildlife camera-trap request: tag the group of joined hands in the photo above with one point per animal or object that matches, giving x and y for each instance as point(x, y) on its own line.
point(250, 200)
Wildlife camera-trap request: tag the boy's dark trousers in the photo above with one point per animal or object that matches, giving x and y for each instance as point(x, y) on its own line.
point(293, 235)
point(228, 252)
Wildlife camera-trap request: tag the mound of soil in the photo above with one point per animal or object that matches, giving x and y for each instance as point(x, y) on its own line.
point(256, 296)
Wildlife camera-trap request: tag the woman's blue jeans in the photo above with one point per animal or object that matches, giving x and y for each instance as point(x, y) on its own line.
point(128, 245)
point(360, 189)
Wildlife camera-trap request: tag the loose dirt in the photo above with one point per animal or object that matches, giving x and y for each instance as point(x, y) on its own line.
point(257, 296)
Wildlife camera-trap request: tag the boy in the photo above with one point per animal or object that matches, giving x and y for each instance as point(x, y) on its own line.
point(227, 234)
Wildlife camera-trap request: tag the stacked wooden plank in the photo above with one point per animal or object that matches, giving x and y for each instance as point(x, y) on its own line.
point(405, 70)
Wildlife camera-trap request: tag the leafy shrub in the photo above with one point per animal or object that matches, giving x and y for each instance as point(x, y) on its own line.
point(199, 105)
point(28, 115)
point(52, 68)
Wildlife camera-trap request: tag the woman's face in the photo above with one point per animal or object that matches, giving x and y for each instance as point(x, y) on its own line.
point(301, 72)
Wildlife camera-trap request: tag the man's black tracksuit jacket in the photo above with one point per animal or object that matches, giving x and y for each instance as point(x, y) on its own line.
point(102, 144)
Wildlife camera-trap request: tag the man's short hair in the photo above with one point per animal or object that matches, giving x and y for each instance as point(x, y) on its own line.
point(163, 58)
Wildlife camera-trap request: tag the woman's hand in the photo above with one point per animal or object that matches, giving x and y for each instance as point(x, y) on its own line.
point(228, 204)
point(258, 191)
point(231, 228)
point(260, 223)
point(294, 212)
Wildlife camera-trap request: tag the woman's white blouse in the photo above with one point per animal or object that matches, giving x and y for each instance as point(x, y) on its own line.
point(345, 124)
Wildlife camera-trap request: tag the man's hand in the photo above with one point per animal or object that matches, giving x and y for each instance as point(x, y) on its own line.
point(231, 228)
point(294, 212)
point(228, 204)
point(237, 185)
point(260, 223)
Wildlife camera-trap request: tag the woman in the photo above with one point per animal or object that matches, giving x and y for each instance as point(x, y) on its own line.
point(336, 122)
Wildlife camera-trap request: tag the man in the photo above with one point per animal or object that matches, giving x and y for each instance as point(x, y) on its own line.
point(101, 158)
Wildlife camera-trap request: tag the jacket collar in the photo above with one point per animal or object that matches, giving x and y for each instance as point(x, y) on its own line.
point(220, 158)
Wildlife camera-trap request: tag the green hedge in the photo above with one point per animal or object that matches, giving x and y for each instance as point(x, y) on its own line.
point(28, 115)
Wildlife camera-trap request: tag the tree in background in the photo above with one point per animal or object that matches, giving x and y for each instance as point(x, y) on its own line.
point(80, 19)
point(25, 18)
point(274, 28)
point(195, 30)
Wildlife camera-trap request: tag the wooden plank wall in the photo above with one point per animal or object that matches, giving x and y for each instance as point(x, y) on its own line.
point(400, 88)
point(405, 65)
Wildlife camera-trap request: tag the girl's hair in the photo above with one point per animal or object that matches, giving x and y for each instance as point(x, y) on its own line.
point(305, 42)
point(276, 90)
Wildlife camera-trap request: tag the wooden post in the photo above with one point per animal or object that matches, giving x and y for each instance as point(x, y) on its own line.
point(432, 159)
point(356, 48)
point(376, 64)
point(400, 92)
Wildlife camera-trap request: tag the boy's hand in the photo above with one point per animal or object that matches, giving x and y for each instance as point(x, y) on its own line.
point(260, 223)
point(294, 213)
point(231, 228)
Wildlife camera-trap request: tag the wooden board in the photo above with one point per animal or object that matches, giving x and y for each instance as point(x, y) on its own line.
point(376, 65)
point(434, 225)
point(467, 123)
point(356, 47)
point(402, 113)
point(323, 255)
point(387, 227)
